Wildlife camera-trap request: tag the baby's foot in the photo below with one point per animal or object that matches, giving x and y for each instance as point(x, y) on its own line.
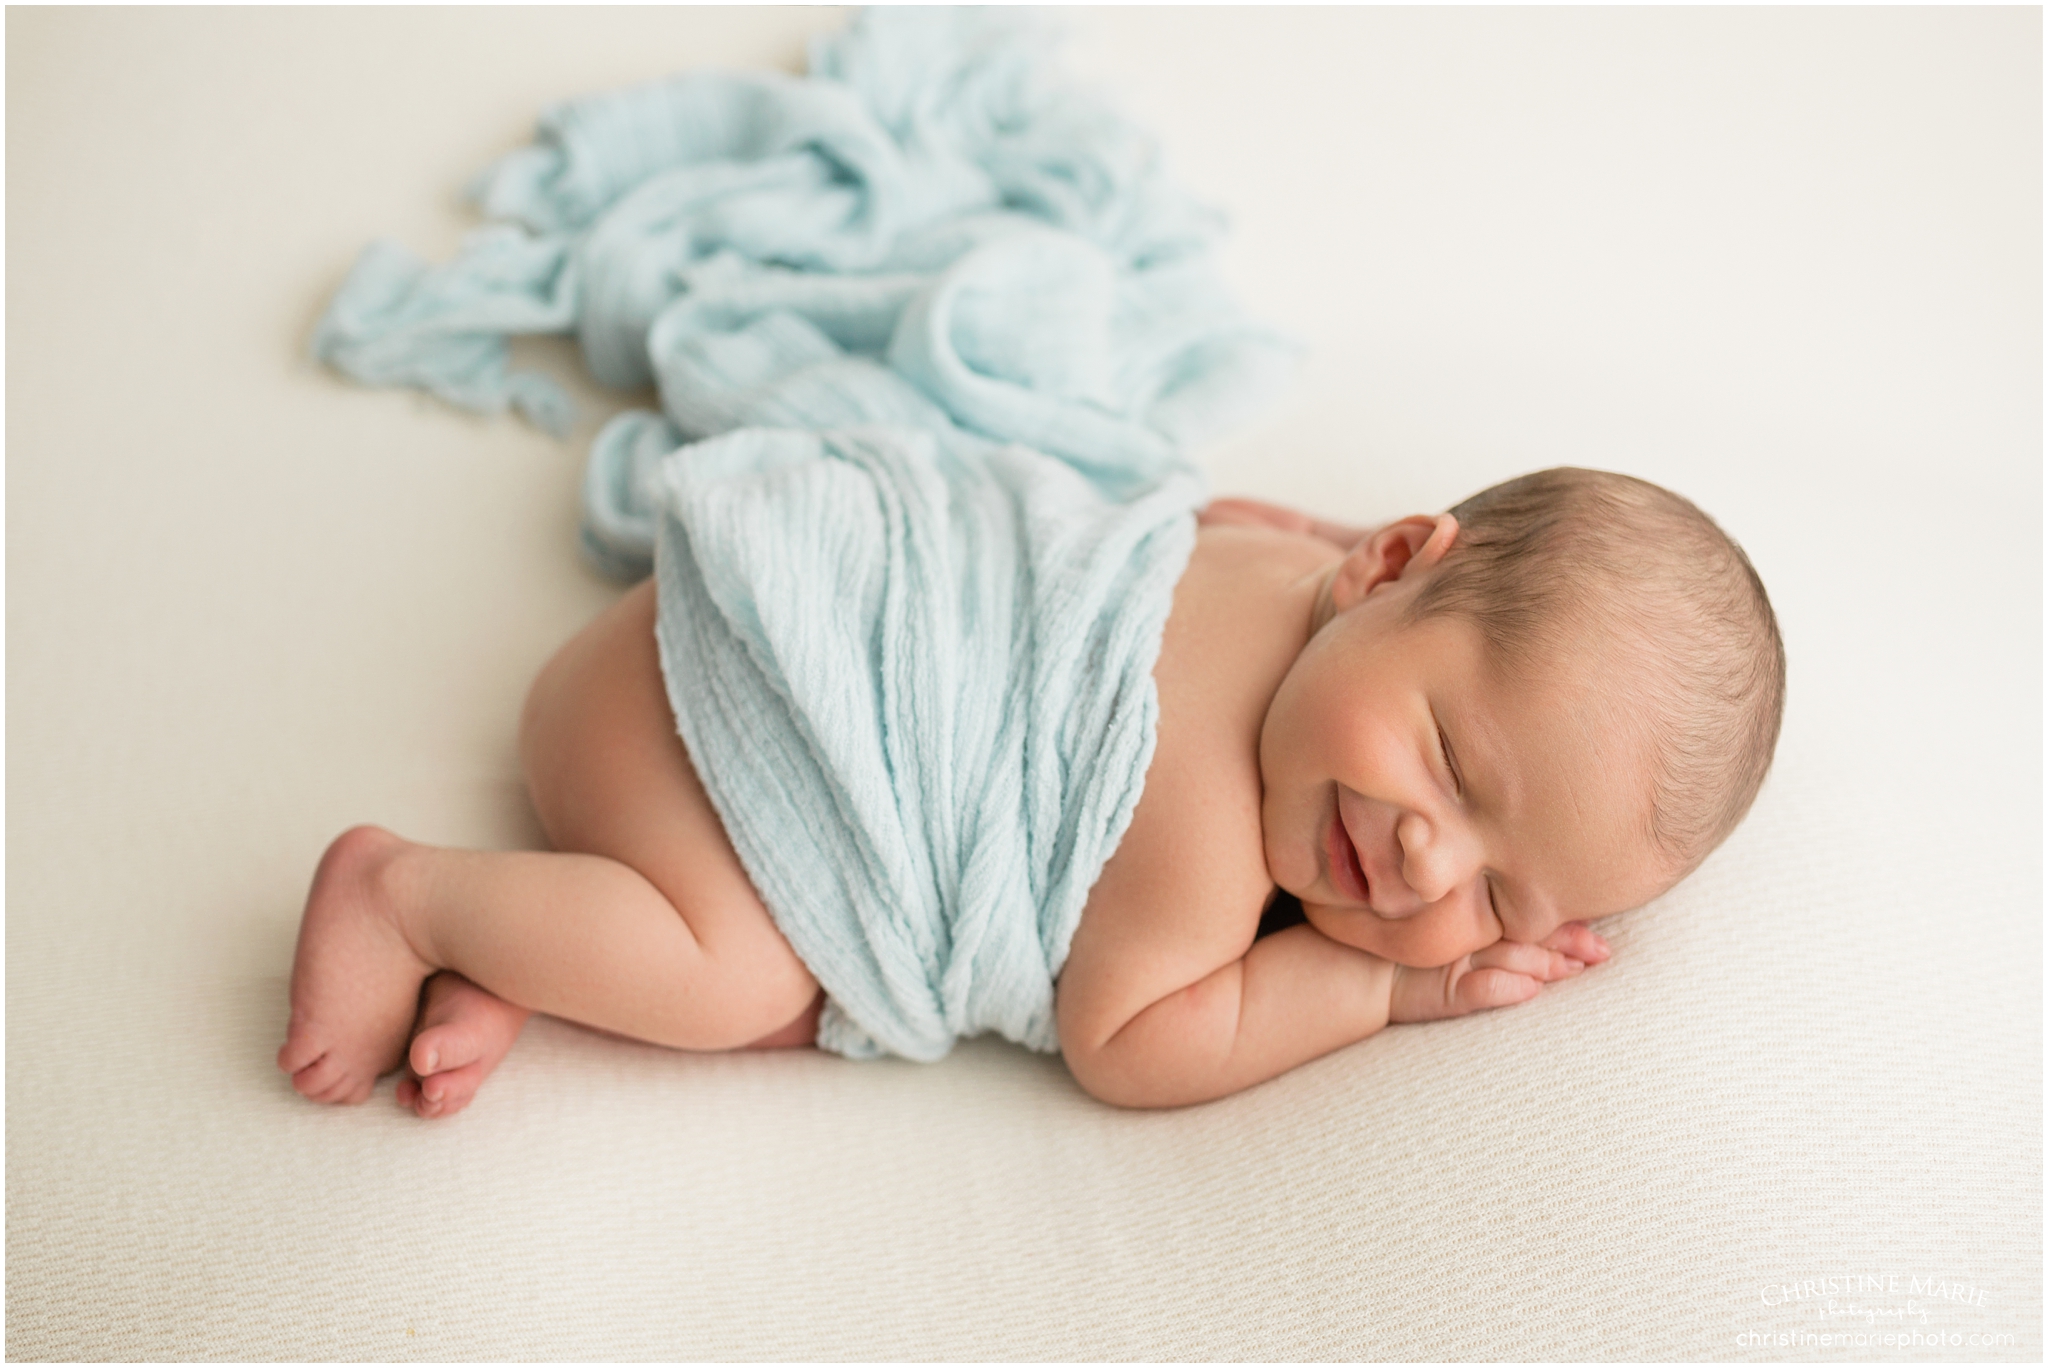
point(463, 1033)
point(355, 979)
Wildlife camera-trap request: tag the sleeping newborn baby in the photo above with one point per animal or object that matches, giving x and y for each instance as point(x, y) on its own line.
point(1453, 739)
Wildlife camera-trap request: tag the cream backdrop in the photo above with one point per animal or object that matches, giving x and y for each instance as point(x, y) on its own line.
point(1786, 261)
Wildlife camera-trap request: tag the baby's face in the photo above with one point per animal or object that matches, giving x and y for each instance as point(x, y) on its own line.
point(1422, 808)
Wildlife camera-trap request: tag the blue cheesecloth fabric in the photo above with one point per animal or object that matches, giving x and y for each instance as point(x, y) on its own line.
point(932, 332)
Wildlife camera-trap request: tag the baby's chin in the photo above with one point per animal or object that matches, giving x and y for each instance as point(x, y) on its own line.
point(1363, 930)
point(1346, 925)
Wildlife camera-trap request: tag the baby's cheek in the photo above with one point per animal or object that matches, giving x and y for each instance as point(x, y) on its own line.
point(1289, 861)
point(1346, 926)
point(1426, 941)
point(1436, 941)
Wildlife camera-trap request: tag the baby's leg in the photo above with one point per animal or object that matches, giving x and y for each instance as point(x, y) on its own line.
point(609, 778)
point(463, 1033)
point(642, 922)
point(578, 936)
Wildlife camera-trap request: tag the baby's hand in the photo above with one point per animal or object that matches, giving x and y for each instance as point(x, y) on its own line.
point(1503, 974)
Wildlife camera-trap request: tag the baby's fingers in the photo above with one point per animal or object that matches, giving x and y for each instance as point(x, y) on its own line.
point(1484, 989)
point(1520, 957)
point(1455, 989)
point(1577, 940)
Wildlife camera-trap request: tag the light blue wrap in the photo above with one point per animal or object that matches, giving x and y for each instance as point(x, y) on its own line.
point(925, 688)
point(948, 329)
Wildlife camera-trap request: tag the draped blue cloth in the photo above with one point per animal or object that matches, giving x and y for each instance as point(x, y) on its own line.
point(932, 332)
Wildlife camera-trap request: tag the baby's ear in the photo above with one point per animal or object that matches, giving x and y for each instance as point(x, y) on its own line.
point(1400, 548)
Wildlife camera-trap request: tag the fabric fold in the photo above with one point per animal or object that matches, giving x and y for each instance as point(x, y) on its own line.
point(872, 198)
point(920, 692)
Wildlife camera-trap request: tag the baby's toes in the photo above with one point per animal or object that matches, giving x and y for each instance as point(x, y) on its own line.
point(320, 1077)
point(300, 1048)
point(327, 1085)
point(440, 1048)
point(411, 1097)
point(444, 1094)
point(344, 1091)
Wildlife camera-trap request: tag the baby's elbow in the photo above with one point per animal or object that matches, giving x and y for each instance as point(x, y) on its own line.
point(1123, 1078)
point(1087, 1031)
point(1141, 1061)
point(1102, 1079)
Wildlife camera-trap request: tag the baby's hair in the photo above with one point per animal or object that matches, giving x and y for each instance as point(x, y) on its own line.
point(1561, 556)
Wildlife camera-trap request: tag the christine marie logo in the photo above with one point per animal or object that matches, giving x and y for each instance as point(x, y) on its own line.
point(1908, 1295)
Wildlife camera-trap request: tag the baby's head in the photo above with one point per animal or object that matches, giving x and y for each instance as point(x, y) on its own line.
point(1549, 704)
point(1569, 560)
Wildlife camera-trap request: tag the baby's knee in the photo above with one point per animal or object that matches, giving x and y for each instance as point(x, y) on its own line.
point(740, 1015)
point(538, 714)
point(766, 994)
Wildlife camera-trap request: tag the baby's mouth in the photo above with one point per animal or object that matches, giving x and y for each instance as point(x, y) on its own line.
point(1346, 871)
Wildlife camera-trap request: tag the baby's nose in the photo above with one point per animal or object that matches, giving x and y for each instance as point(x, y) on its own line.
point(1436, 863)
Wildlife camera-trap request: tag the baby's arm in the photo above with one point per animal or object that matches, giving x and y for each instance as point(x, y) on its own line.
point(1293, 996)
point(1133, 1036)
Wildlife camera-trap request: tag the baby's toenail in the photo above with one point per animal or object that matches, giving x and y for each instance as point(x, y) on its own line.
point(433, 1060)
point(433, 1094)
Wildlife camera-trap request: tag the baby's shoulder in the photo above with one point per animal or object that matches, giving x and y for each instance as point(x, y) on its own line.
point(1234, 631)
point(1239, 619)
point(1182, 894)
point(1261, 559)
